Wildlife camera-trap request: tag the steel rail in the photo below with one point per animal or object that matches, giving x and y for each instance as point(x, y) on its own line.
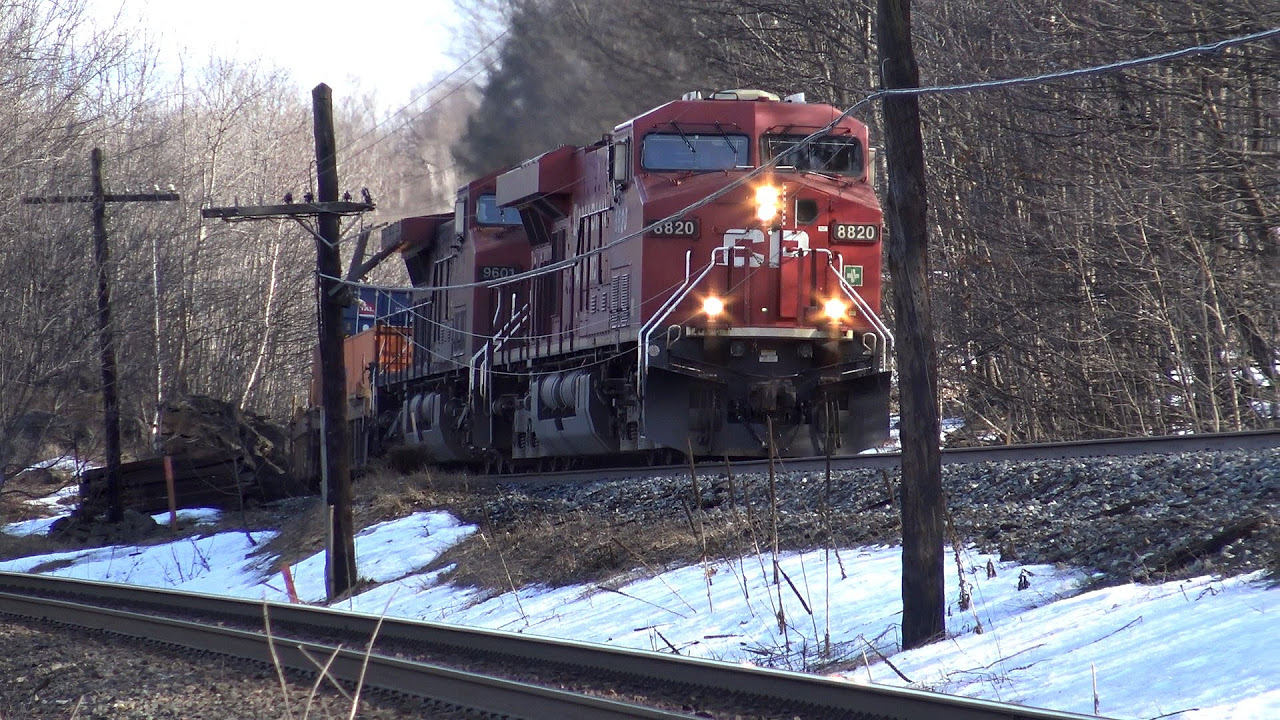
point(799, 689)
point(1109, 447)
point(474, 691)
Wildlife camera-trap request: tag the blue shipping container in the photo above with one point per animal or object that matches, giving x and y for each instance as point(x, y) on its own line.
point(390, 307)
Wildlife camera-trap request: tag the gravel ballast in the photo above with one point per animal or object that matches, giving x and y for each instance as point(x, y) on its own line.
point(1135, 518)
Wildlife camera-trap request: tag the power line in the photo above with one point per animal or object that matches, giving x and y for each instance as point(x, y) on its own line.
point(431, 105)
point(1208, 48)
point(306, 175)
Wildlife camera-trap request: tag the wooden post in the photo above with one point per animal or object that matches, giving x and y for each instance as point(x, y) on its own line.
point(923, 506)
point(340, 564)
point(173, 493)
point(290, 589)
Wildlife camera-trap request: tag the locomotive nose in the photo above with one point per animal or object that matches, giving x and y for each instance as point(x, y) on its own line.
point(767, 396)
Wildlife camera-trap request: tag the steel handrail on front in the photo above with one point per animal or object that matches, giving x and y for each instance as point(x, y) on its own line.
point(668, 307)
point(880, 328)
point(878, 324)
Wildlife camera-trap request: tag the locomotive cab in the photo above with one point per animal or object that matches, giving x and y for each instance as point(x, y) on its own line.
point(761, 215)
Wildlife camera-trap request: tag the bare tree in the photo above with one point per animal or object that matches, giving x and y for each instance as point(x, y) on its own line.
point(56, 91)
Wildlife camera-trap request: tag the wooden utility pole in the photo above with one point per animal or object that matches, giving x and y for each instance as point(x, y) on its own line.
point(923, 505)
point(340, 558)
point(106, 339)
point(340, 564)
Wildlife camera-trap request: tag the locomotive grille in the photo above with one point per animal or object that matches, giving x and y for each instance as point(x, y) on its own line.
point(620, 300)
point(457, 333)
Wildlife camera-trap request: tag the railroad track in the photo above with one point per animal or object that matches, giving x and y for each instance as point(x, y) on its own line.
point(486, 671)
point(1115, 447)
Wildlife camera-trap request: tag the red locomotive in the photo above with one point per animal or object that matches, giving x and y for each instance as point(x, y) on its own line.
point(694, 281)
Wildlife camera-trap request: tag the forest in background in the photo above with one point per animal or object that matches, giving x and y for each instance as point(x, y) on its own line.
point(1103, 249)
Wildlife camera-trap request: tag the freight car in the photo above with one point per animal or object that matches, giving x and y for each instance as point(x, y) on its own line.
point(705, 279)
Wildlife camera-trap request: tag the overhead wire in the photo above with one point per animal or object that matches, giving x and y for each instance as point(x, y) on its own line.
point(427, 92)
point(415, 311)
point(566, 333)
point(459, 365)
point(430, 106)
point(342, 152)
point(1207, 48)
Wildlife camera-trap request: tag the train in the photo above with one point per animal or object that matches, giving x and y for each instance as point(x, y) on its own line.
point(705, 280)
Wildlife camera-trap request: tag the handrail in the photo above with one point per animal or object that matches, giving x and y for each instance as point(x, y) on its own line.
point(668, 307)
point(880, 328)
point(480, 370)
point(878, 324)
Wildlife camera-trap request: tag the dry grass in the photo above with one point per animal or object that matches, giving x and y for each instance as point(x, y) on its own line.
point(552, 548)
point(557, 550)
point(522, 541)
point(12, 547)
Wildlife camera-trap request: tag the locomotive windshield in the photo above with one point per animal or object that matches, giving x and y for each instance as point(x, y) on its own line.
point(488, 212)
point(693, 151)
point(838, 154)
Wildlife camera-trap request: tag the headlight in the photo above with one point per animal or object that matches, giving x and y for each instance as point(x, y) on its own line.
point(712, 306)
point(768, 201)
point(835, 309)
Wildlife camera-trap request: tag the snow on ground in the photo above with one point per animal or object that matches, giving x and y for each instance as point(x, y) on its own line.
point(40, 526)
point(1200, 649)
point(74, 465)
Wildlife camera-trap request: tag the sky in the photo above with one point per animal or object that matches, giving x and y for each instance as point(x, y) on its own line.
point(389, 47)
point(1200, 649)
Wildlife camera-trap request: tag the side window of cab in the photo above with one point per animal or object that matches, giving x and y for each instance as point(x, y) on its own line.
point(489, 213)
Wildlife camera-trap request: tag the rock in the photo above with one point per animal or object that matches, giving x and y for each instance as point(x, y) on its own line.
point(133, 528)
